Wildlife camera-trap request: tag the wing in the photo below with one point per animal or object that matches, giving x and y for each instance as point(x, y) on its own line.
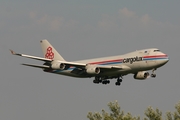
point(79, 66)
point(37, 66)
point(31, 57)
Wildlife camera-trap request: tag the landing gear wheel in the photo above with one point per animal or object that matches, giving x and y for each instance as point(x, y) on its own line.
point(119, 80)
point(153, 75)
point(96, 81)
point(118, 83)
point(105, 82)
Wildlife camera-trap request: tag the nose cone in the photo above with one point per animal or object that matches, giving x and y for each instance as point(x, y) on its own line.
point(164, 60)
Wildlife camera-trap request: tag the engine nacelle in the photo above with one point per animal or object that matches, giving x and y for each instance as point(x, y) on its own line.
point(58, 65)
point(142, 75)
point(93, 70)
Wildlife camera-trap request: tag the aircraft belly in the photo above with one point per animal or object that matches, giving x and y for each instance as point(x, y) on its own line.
point(85, 75)
point(140, 66)
point(73, 74)
point(115, 73)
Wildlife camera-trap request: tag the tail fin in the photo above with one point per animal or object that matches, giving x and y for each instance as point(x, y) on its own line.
point(49, 51)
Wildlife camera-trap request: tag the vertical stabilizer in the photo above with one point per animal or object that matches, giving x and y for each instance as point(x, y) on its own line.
point(49, 51)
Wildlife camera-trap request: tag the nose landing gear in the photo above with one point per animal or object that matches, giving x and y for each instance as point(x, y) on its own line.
point(153, 75)
point(119, 80)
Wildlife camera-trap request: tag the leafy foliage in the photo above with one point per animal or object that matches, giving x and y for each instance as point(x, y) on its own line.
point(153, 114)
point(117, 114)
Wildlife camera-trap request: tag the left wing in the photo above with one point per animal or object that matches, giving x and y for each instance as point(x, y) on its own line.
point(31, 57)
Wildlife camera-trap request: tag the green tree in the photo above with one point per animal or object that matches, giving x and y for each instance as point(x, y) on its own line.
point(169, 116)
point(117, 114)
point(177, 112)
point(175, 115)
point(152, 114)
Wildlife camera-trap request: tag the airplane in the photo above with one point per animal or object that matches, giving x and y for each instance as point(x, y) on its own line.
point(138, 63)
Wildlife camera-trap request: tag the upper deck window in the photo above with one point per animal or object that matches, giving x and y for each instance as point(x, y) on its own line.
point(156, 50)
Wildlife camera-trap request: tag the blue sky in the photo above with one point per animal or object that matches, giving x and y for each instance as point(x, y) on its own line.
point(80, 30)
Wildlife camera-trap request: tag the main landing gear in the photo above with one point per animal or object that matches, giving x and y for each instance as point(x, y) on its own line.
point(105, 81)
point(153, 75)
point(100, 80)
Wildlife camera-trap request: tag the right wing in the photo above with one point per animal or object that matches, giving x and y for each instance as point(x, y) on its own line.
point(37, 66)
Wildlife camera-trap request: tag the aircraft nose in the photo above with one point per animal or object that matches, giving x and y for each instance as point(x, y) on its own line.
point(163, 59)
point(166, 59)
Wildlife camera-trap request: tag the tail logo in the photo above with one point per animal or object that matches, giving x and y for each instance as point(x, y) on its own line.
point(49, 53)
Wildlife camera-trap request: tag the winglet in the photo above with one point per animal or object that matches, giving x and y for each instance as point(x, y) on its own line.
point(12, 52)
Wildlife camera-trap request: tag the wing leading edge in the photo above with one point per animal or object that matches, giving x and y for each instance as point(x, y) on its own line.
point(31, 57)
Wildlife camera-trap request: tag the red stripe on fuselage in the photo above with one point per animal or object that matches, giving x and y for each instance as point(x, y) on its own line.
point(155, 56)
point(108, 61)
point(120, 60)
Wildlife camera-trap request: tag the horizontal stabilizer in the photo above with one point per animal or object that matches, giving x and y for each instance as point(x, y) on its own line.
point(37, 66)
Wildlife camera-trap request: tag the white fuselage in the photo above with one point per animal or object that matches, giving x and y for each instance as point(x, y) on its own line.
point(136, 61)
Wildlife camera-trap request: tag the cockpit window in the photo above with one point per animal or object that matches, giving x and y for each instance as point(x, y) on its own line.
point(156, 50)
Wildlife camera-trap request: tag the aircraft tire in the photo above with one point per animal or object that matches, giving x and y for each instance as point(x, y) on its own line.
point(153, 75)
point(96, 81)
point(118, 83)
point(105, 82)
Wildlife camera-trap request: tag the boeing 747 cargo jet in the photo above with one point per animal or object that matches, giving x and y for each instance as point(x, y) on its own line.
point(101, 69)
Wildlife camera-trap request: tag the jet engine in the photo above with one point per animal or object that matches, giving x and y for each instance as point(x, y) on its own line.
point(142, 75)
point(93, 70)
point(58, 65)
